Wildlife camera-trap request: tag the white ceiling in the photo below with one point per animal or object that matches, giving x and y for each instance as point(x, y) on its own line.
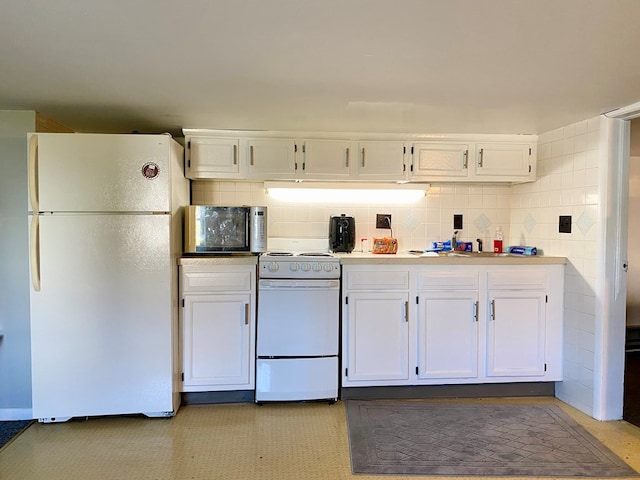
point(430, 66)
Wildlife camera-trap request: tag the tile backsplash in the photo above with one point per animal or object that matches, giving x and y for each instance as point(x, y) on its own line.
point(416, 225)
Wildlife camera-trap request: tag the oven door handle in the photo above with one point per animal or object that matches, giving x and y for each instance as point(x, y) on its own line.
point(310, 284)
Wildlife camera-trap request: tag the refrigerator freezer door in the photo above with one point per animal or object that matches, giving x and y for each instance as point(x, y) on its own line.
point(101, 324)
point(100, 173)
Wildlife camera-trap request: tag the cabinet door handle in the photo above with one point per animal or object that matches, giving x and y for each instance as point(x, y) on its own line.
point(465, 159)
point(251, 155)
point(235, 154)
point(475, 311)
point(363, 156)
point(493, 309)
point(347, 163)
point(406, 311)
point(246, 314)
point(480, 157)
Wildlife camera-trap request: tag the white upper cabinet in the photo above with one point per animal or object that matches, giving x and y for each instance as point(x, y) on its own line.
point(381, 160)
point(435, 160)
point(209, 157)
point(325, 159)
point(270, 158)
point(237, 154)
point(497, 161)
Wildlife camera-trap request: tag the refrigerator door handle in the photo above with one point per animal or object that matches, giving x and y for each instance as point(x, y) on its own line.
point(33, 173)
point(34, 247)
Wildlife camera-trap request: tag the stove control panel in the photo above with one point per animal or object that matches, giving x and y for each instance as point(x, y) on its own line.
point(294, 267)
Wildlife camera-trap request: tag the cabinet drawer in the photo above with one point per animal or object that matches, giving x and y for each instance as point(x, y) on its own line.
point(447, 280)
point(516, 280)
point(378, 280)
point(217, 281)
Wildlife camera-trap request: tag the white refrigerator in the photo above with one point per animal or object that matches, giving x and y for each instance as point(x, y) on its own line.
point(105, 235)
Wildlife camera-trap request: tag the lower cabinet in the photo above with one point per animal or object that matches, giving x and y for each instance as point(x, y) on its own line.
point(447, 334)
point(460, 324)
point(218, 327)
point(378, 333)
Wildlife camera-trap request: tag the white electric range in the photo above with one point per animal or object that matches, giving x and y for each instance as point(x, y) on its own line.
point(298, 326)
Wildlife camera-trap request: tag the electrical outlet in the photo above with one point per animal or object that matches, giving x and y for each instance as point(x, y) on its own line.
point(457, 221)
point(564, 224)
point(383, 220)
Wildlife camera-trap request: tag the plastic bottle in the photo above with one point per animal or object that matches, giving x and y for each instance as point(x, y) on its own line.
point(497, 243)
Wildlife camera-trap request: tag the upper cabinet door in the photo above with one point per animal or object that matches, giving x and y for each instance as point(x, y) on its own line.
point(213, 157)
point(433, 160)
point(381, 160)
point(271, 158)
point(325, 159)
point(501, 160)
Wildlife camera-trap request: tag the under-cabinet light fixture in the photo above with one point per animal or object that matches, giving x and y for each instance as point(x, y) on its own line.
point(317, 192)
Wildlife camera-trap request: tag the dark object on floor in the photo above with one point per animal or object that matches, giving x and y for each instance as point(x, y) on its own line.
point(10, 429)
point(631, 409)
point(453, 438)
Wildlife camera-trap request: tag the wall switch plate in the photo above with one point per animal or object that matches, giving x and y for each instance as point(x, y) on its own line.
point(457, 221)
point(564, 224)
point(383, 220)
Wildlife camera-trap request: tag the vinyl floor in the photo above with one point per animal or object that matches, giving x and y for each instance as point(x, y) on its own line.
point(283, 441)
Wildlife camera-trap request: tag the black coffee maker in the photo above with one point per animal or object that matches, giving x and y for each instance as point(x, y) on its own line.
point(342, 233)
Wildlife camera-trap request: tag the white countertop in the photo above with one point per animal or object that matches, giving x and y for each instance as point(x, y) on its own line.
point(219, 260)
point(406, 258)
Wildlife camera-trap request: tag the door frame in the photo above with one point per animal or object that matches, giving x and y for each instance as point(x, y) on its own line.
point(610, 328)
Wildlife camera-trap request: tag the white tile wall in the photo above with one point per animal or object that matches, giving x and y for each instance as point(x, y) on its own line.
point(567, 185)
point(415, 225)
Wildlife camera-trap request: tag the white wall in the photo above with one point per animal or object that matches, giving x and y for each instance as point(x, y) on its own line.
point(567, 185)
point(415, 225)
point(15, 350)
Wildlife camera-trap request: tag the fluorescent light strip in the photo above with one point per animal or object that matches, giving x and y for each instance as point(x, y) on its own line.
point(321, 193)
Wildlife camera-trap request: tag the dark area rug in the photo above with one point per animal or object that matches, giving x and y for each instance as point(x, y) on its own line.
point(10, 429)
point(465, 439)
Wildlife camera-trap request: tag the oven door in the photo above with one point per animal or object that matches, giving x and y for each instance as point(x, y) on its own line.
point(298, 318)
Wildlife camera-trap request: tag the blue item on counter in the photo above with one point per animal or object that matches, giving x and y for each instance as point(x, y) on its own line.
point(446, 246)
point(521, 250)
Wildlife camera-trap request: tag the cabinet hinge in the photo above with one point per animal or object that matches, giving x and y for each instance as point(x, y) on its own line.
point(411, 150)
point(295, 148)
point(189, 144)
point(189, 163)
point(346, 372)
point(417, 370)
point(303, 164)
point(346, 300)
point(529, 168)
point(545, 367)
point(404, 167)
point(182, 376)
point(417, 300)
point(183, 303)
point(412, 167)
point(296, 166)
point(304, 148)
point(546, 299)
point(529, 151)
point(404, 150)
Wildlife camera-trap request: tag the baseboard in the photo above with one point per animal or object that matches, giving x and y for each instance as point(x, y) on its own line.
point(204, 398)
point(532, 389)
point(16, 414)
